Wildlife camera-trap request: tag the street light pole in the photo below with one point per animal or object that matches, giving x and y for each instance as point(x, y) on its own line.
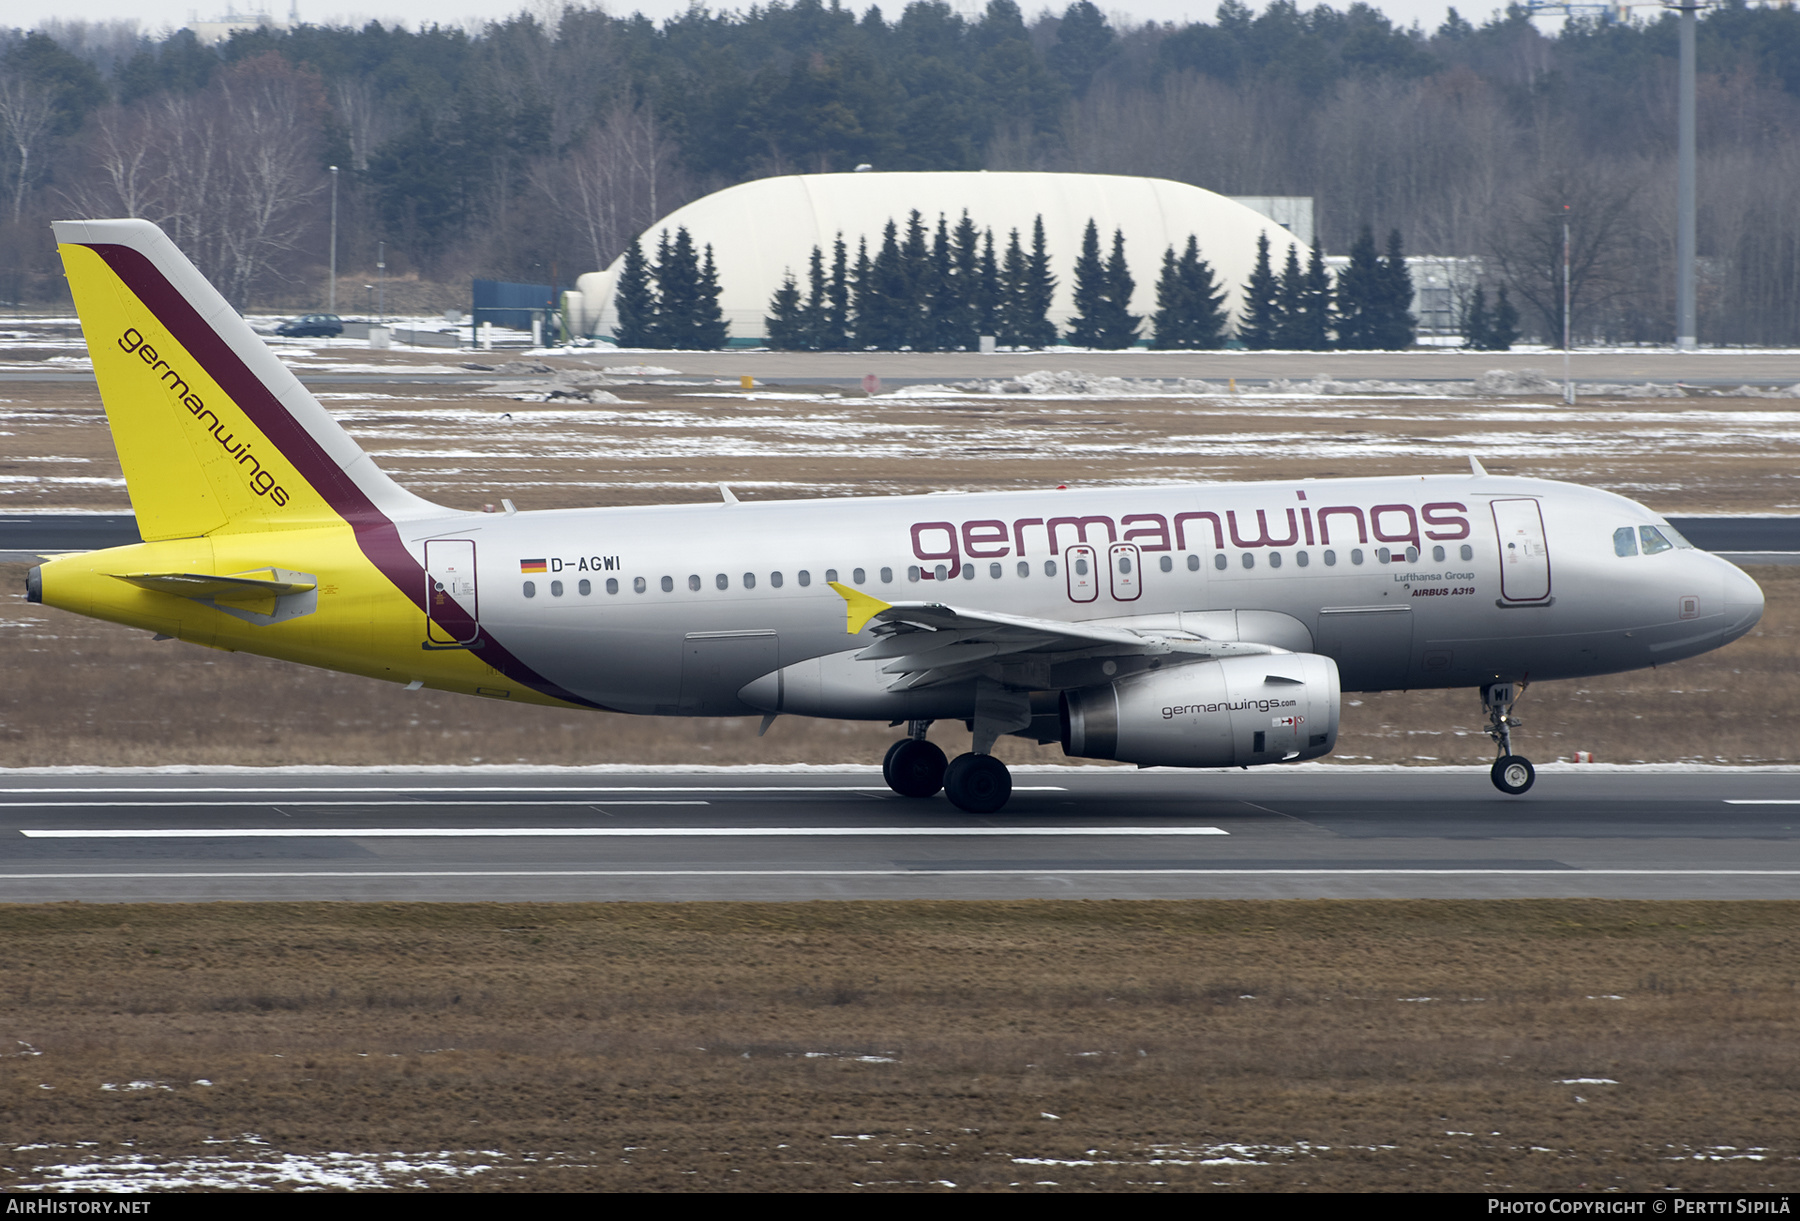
point(331, 293)
point(1686, 225)
point(381, 294)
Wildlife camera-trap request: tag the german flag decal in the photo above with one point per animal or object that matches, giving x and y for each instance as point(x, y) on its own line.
point(533, 565)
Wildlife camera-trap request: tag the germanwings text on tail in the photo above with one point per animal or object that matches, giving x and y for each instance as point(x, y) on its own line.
point(1204, 625)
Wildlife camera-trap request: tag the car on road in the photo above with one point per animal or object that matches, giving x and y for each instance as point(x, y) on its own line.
point(328, 326)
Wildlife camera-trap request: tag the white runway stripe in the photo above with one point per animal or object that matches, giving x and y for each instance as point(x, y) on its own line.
point(311, 805)
point(1762, 801)
point(921, 873)
point(522, 788)
point(585, 832)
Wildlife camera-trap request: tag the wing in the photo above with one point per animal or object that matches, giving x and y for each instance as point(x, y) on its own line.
point(926, 643)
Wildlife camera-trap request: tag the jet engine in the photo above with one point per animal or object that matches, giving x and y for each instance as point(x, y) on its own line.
point(1233, 712)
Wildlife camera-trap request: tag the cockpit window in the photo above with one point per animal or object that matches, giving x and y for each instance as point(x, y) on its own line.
point(1624, 541)
point(1674, 536)
point(1654, 541)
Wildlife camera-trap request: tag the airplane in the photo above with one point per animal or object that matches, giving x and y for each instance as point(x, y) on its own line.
point(1195, 625)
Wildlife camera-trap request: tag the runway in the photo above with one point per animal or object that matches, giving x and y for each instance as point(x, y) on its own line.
point(1079, 833)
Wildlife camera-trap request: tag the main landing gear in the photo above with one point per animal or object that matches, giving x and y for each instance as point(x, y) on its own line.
point(1512, 774)
point(977, 783)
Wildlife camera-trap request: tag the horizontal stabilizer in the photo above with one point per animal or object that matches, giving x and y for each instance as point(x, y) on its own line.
point(255, 586)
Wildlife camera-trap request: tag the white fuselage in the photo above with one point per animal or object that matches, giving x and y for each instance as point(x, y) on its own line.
point(1441, 581)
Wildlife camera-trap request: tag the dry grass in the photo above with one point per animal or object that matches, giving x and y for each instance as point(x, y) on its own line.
point(78, 691)
point(716, 1045)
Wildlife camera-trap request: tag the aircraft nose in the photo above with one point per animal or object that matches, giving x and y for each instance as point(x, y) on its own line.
point(1743, 602)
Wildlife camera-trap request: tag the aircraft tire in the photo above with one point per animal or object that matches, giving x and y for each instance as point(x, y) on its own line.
point(914, 768)
point(1513, 774)
point(978, 784)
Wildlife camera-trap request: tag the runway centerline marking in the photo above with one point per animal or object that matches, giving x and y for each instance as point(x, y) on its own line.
point(588, 832)
point(1762, 801)
point(521, 788)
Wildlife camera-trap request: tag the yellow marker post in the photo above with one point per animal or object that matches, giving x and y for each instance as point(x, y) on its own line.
point(746, 381)
point(859, 607)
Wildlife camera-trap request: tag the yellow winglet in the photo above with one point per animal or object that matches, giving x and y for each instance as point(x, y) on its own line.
point(859, 607)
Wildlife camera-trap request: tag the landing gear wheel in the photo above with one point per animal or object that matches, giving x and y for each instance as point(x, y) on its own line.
point(1513, 774)
point(914, 768)
point(979, 784)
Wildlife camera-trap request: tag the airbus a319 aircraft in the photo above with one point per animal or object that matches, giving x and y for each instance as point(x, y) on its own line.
point(1196, 625)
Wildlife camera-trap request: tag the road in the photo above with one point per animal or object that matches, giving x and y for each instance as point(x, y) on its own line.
point(1069, 833)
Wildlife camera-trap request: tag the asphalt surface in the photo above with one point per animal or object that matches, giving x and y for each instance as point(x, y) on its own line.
point(1076, 833)
point(25, 535)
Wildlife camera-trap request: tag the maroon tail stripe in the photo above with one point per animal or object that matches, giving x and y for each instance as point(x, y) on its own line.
point(375, 532)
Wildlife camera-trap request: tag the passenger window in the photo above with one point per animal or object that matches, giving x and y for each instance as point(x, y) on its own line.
point(749, 580)
point(1654, 540)
point(912, 572)
point(1356, 555)
point(805, 578)
point(1219, 561)
point(1274, 559)
point(1081, 567)
point(858, 576)
point(1468, 552)
point(531, 589)
point(830, 575)
point(1382, 555)
point(1249, 559)
point(668, 586)
point(1049, 568)
point(1437, 555)
point(556, 588)
point(1330, 559)
point(968, 572)
point(1024, 569)
point(941, 573)
point(612, 585)
point(775, 579)
point(639, 585)
point(1125, 565)
point(887, 576)
point(694, 582)
point(1301, 558)
point(994, 570)
point(1193, 563)
point(1167, 564)
point(722, 581)
point(586, 587)
point(1624, 541)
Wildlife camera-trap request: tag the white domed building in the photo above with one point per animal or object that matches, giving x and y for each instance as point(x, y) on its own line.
point(763, 230)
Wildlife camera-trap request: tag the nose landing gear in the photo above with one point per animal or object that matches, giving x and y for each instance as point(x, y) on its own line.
point(1512, 774)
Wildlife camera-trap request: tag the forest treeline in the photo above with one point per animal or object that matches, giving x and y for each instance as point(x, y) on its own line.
point(529, 151)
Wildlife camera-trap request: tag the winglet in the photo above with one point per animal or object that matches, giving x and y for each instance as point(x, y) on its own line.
point(1475, 468)
point(859, 607)
point(728, 494)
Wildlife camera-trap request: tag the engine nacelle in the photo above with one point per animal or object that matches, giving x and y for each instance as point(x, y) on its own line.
point(1237, 711)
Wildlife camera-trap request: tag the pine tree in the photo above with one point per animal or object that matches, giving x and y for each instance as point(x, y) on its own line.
point(918, 284)
point(1039, 292)
point(1503, 332)
point(636, 302)
point(987, 289)
point(1012, 324)
point(1119, 327)
point(1190, 303)
point(1259, 321)
point(785, 325)
point(677, 289)
point(710, 330)
point(837, 299)
point(883, 322)
point(863, 307)
point(1477, 324)
point(1313, 329)
point(1290, 332)
point(1085, 329)
point(1359, 296)
point(814, 318)
point(1396, 326)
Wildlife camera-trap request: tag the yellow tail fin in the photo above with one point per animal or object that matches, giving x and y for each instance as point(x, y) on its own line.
point(214, 433)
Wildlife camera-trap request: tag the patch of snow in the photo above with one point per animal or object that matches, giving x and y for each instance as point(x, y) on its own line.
point(1587, 1081)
